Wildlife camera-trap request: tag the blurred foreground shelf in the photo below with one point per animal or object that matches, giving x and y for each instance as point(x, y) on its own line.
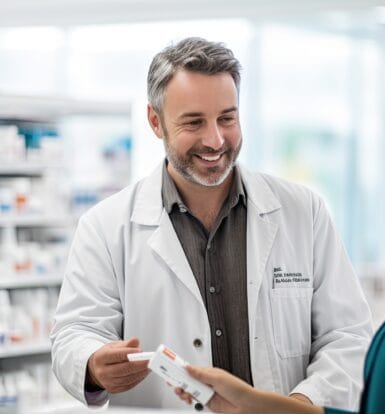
point(43, 108)
point(25, 348)
point(25, 169)
point(61, 407)
point(35, 220)
point(29, 281)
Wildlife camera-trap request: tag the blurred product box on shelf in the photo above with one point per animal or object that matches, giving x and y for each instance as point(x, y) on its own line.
point(24, 196)
point(30, 143)
point(29, 258)
point(82, 199)
point(12, 144)
point(5, 317)
point(31, 387)
point(7, 200)
point(26, 315)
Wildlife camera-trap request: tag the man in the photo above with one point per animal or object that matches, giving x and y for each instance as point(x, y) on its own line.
point(237, 270)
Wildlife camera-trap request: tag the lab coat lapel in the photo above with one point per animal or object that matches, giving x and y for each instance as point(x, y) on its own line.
point(166, 244)
point(261, 232)
point(148, 211)
point(260, 237)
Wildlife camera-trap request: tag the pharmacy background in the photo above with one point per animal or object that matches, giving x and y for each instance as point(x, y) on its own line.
point(73, 130)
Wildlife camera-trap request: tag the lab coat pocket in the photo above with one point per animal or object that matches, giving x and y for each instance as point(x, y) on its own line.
point(291, 314)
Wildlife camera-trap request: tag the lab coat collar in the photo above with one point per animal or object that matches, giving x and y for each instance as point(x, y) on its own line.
point(148, 208)
point(258, 192)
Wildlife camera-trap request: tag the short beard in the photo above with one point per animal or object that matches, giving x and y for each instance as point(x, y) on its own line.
point(185, 169)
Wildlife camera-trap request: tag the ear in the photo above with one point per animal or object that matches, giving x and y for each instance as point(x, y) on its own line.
point(154, 121)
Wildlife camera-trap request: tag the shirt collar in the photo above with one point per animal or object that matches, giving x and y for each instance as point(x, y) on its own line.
point(170, 194)
point(237, 191)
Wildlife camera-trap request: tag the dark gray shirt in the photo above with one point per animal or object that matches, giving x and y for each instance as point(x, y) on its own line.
point(218, 262)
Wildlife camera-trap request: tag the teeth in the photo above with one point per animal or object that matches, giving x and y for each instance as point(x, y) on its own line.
point(213, 158)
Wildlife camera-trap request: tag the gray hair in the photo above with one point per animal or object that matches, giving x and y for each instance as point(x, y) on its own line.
point(193, 54)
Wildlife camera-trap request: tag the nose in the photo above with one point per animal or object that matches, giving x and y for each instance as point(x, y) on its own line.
point(213, 137)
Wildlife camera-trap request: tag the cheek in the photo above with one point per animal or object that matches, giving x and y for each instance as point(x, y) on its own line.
point(234, 136)
point(183, 141)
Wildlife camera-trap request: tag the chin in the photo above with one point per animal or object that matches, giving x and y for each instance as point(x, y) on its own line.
point(210, 181)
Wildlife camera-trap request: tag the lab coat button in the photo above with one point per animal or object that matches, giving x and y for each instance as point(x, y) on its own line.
point(197, 343)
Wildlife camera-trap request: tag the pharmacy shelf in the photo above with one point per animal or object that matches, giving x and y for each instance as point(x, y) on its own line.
point(46, 108)
point(18, 281)
point(35, 220)
point(24, 349)
point(25, 169)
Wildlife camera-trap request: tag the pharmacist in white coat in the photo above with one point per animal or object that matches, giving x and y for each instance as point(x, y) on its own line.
point(228, 268)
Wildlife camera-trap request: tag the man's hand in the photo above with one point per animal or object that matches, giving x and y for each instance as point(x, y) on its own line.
point(109, 368)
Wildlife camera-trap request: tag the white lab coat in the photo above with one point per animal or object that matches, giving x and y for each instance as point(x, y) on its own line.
point(127, 276)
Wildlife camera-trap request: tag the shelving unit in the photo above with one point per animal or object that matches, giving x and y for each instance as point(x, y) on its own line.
point(28, 113)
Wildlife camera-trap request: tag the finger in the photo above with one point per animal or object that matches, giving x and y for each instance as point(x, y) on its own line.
point(128, 385)
point(186, 398)
point(203, 374)
point(128, 379)
point(131, 343)
point(216, 377)
point(178, 391)
point(115, 355)
point(183, 395)
point(125, 368)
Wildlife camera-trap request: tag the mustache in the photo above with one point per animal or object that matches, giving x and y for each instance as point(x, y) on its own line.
point(208, 150)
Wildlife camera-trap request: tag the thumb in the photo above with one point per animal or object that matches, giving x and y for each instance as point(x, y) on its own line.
point(199, 373)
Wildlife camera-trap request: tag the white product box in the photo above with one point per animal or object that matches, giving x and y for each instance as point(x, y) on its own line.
point(168, 365)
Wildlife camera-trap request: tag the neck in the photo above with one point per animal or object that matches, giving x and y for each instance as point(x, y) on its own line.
point(205, 202)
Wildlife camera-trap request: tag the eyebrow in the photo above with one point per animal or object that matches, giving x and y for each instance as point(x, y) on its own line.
point(197, 114)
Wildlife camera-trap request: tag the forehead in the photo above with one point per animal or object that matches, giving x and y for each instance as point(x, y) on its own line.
point(192, 91)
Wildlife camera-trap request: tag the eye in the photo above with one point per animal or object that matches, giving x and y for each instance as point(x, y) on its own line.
point(195, 122)
point(227, 119)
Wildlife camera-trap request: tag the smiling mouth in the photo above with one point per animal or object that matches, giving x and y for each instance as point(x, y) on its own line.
point(210, 158)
